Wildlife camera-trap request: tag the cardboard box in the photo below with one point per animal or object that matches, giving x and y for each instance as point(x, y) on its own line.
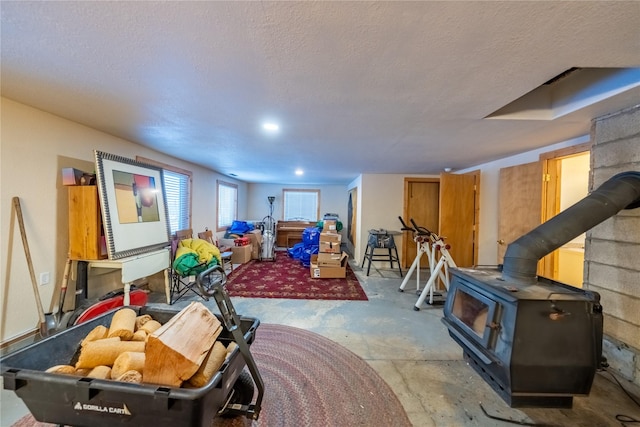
point(255, 236)
point(318, 272)
point(329, 226)
point(330, 243)
point(241, 254)
point(329, 260)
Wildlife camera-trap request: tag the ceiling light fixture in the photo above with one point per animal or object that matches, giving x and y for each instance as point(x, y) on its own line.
point(270, 127)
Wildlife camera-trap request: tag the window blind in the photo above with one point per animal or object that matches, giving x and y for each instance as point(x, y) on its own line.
point(301, 205)
point(176, 187)
point(227, 204)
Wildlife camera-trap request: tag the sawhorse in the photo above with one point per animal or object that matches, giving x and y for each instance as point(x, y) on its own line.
point(423, 246)
point(431, 244)
point(441, 270)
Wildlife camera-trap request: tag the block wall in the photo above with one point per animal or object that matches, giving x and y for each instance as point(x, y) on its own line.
point(612, 249)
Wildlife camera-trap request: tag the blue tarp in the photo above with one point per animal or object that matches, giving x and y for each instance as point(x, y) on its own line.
point(305, 257)
point(311, 236)
point(310, 245)
point(296, 251)
point(240, 227)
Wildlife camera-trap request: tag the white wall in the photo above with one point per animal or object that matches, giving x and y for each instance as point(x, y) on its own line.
point(35, 146)
point(382, 200)
point(333, 199)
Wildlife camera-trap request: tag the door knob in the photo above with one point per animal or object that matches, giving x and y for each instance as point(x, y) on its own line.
point(501, 242)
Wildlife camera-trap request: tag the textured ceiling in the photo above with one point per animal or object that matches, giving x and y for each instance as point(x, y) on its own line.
point(357, 87)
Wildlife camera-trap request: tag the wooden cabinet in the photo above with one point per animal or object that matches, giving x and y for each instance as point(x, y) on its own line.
point(86, 234)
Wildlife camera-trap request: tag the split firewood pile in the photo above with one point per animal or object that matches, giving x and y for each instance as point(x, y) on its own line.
point(184, 352)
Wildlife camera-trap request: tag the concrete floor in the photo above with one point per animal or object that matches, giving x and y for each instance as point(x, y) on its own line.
point(414, 354)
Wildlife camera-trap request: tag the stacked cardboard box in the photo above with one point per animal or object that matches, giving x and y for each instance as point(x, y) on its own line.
point(330, 262)
point(255, 236)
point(241, 254)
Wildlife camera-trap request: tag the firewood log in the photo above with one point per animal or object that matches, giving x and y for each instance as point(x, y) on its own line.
point(151, 326)
point(100, 372)
point(176, 350)
point(105, 352)
point(210, 365)
point(127, 361)
point(123, 323)
point(141, 320)
point(139, 335)
point(97, 333)
point(130, 377)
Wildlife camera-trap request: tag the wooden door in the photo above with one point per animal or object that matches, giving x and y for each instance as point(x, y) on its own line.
point(421, 202)
point(519, 203)
point(459, 195)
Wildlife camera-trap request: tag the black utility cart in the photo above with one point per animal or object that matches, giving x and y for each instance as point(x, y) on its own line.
point(81, 401)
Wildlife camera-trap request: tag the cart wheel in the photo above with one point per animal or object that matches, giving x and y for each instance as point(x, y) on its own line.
point(242, 392)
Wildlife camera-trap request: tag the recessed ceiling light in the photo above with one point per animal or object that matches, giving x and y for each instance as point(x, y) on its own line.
point(270, 126)
point(299, 172)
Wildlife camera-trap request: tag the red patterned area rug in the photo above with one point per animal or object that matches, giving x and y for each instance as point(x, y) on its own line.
point(310, 381)
point(287, 278)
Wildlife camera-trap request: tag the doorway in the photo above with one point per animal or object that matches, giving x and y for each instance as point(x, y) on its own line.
point(566, 182)
point(533, 193)
point(447, 206)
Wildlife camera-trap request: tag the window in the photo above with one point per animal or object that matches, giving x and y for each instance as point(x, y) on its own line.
point(177, 188)
point(227, 204)
point(301, 205)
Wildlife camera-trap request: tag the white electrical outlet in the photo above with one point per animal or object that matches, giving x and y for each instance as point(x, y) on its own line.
point(44, 278)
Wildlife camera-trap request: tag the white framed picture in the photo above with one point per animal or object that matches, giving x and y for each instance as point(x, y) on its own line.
point(133, 204)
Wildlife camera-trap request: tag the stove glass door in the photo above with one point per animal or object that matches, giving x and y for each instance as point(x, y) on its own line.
point(475, 313)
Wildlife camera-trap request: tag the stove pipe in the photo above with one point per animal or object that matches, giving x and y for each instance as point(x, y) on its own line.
point(621, 191)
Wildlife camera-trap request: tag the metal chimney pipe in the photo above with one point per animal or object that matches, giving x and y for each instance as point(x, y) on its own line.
point(621, 191)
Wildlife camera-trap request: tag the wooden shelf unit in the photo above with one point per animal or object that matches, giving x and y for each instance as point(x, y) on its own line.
point(86, 233)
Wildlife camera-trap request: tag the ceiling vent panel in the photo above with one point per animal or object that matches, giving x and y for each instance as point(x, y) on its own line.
point(571, 90)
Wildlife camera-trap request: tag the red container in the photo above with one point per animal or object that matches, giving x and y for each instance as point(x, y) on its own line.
point(242, 241)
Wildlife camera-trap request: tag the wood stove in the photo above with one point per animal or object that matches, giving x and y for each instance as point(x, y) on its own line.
point(536, 341)
point(535, 344)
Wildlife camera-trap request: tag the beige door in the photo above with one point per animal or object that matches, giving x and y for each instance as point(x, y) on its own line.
point(459, 195)
point(420, 203)
point(519, 203)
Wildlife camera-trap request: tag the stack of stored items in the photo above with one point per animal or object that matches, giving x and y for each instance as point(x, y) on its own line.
point(241, 250)
point(330, 262)
point(304, 250)
point(243, 233)
point(333, 223)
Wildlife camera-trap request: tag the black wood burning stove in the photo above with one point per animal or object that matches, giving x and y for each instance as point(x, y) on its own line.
point(537, 342)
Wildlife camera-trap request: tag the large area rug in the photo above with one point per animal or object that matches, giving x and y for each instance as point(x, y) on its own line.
point(287, 278)
point(310, 381)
